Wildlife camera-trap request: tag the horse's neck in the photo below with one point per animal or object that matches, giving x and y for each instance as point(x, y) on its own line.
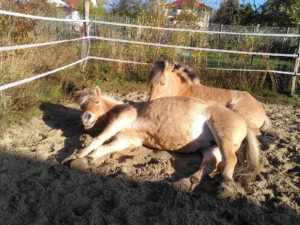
point(183, 89)
point(222, 96)
point(113, 108)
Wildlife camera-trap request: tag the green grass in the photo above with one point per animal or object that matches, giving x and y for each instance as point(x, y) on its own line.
point(104, 74)
point(17, 117)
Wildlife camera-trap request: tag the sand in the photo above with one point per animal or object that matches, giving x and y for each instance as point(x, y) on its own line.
point(134, 186)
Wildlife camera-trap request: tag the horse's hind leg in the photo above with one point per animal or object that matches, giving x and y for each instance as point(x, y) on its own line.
point(229, 161)
point(211, 158)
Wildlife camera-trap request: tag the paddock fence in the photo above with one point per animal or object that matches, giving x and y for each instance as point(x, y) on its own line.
point(87, 37)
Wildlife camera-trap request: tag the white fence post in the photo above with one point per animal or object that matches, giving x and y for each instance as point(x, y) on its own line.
point(86, 32)
point(220, 42)
point(297, 61)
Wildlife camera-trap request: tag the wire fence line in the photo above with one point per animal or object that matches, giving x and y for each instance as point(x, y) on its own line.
point(10, 85)
point(195, 48)
point(118, 60)
point(146, 27)
point(247, 70)
point(8, 13)
point(195, 31)
point(17, 83)
point(7, 48)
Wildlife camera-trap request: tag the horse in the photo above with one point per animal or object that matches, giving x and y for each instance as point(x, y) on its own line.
point(168, 78)
point(177, 124)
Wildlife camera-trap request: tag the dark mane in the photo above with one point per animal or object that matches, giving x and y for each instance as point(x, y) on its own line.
point(158, 69)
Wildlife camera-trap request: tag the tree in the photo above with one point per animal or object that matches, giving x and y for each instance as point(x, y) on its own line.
point(228, 13)
point(247, 15)
point(94, 10)
point(129, 8)
point(282, 13)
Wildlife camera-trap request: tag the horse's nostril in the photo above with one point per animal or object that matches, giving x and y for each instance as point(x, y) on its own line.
point(89, 116)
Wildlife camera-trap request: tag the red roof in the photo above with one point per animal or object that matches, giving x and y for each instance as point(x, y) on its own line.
point(72, 3)
point(188, 3)
point(68, 9)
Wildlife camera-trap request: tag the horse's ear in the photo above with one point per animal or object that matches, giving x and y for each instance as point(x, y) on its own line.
point(196, 80)
point(169, 68)
point(97, 91)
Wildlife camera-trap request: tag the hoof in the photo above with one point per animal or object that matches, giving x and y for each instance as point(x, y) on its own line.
point(183, 184)
point(266, 140)
point(69, 158)
point(224, 191)
point(81, 165)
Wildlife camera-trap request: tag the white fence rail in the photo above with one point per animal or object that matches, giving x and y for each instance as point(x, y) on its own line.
point(88, 22)
point(17, 83)
point(9, 48)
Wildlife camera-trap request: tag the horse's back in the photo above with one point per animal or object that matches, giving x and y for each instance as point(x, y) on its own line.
point(246, 105)
point(173, 123)
point(240, 102)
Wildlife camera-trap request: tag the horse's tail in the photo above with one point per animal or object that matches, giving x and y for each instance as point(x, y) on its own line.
point(247, 166)
point(267, 128)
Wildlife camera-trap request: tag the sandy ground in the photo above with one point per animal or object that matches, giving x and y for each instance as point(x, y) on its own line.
point(132, 187)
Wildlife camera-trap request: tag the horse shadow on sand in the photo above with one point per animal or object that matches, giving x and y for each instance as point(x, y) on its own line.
point(118, 196)
point(67, 120)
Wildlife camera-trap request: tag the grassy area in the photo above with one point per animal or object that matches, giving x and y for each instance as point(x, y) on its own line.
point(21, 103)
point(62, 95)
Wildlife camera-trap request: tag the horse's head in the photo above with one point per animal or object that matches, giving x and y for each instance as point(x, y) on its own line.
point(168, 78)
point(93, 107)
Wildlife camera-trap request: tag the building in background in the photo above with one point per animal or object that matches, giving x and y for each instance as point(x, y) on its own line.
point(68, 6)
point(187, 10)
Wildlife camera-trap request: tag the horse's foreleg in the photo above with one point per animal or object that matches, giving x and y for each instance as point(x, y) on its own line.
point(211, 158)
point(118, 144)
point(111, 129)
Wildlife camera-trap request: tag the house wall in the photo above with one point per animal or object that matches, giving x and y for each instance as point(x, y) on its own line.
point(203, 14)
point(94, 2)
point(58, 3)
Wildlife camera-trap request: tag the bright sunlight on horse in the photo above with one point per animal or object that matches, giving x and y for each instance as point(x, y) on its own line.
point(176, 124)
point(172, 79)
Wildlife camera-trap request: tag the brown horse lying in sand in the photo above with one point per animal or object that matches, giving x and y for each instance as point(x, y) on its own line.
point(176, 124)
point(172, 79)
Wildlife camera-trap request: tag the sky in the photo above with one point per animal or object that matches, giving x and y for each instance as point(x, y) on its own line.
point(216, 3)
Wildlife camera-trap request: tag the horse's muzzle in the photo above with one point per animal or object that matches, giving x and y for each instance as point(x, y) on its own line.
point(88, 120)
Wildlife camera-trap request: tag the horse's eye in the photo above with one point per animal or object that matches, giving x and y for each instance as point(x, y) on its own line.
point(162, 83)
point(97, 102)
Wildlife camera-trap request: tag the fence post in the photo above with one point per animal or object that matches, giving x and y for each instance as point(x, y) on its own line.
point(86, 32)
point(95, 26)
point(297, 61)
point(284, 40)
point(220, 42)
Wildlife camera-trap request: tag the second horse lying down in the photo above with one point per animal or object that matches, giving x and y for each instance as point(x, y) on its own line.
point(172, 79)
point(177, 124)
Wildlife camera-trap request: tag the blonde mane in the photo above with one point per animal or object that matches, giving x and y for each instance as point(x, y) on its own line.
point(81, 97)
point(159, 67)
point(112, 99)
